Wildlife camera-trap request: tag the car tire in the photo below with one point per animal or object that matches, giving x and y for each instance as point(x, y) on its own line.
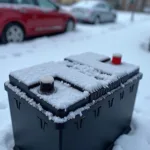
point(114, 18)
point(96, 20)
point(16, 148)
point(70, 26)
point(13, 33)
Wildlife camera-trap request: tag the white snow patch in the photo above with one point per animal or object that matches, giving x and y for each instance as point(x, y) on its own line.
point(47, 113)
point(63, 97)
point(32, 75)
point(138, 138)
point(47, 79)
point(95, 61)
point(103, 78)
point(85, 4)
point(25, 6)
point(85, 75)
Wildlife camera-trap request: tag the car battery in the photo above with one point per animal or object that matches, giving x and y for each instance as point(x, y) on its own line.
point(82, 103)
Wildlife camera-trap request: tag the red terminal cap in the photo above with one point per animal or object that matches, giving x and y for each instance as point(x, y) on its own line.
point(116, 59)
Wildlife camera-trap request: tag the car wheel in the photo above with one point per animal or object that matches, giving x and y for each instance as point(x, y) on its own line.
point(96, 20)
point(114, 18)
point(13, 33)
point(70, 26)
point(16, 148)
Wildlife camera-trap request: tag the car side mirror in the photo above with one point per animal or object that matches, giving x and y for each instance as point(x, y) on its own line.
point(110, 8)
point(57, 8)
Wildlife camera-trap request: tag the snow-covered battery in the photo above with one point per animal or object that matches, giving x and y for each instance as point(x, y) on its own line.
point(83, 102)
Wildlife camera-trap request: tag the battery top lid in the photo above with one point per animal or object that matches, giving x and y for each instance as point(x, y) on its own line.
point(73, 79)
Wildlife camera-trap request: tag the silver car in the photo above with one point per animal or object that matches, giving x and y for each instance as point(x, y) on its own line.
point(93, 11)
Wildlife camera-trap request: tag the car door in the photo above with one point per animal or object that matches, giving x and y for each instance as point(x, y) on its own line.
point(49, 16)
point(109, 12)
point(103, 11)
point(28, 12)
point(99, 8)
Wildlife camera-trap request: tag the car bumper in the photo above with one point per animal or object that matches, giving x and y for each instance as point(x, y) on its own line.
point(83, 17)
point(1, 31)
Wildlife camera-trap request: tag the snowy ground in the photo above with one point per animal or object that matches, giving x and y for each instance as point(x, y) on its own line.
point(125, 37)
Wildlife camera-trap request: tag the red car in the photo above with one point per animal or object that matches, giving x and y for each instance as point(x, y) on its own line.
point(25, 18)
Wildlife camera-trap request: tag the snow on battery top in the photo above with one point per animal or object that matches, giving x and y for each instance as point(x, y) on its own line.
point(63, 96)
point(88, 71)
point(91, 67)
point(103, 64)
point(32, 75)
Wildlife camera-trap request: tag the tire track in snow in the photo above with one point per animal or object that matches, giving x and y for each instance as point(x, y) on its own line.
point(17, 54)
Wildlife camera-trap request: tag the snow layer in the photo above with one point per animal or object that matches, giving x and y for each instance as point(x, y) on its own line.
point(47, 113)
point(47, 80)
point(20, 6)
point(90, 76)
point(103, 78)
point(94, 61)
point(122, 37)
point(17, 6)
point(103, 73)
point(32, 75)
point(85, 4)
point(63, 96)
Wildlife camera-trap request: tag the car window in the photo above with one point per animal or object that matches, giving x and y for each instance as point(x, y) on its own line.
point(31, 2)
point(107, 6)
point(102, 6)
point(46, 4)
point(4, 1)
